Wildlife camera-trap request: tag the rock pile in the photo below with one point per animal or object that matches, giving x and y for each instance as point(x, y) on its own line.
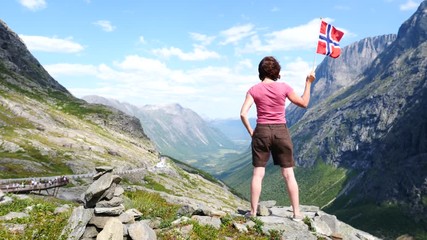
point(103, 215)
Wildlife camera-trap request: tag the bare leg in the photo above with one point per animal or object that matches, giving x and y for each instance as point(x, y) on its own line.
point(256, 186)
point(292, 187)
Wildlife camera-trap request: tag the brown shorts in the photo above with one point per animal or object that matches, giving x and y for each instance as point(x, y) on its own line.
point(274, 139)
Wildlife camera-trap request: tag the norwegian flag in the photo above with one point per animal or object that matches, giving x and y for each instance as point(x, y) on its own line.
point(328, 40)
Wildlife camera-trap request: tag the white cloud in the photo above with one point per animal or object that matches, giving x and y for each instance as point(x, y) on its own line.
point(203, 39)
point(294, 73)
point(300, 37)
point(100, 72)
point(211, 74)
point(244, 64)
point(409, 5)
point(295, 38)
point(198, 53)
point(141, 64)
point(235, 34)
point(62, 69)
point(47, 44)
point(105, 25)
point(33, 5)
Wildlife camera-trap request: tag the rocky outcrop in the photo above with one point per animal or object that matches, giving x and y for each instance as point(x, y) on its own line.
point(118, 121)
point(103, 216)
point(315, 225)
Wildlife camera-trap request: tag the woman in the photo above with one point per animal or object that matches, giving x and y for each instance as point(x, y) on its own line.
point(271, 135)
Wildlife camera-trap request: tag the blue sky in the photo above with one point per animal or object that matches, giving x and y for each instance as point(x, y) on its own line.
point(202, 54)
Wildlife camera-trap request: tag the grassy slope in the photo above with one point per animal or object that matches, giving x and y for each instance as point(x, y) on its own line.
point(8, 131)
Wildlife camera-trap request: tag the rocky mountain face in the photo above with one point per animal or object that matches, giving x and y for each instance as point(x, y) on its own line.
point(16, 58)
point(176, 131)
point(368, 116)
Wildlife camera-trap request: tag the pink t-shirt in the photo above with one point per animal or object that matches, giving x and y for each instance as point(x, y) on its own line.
point(270, 101)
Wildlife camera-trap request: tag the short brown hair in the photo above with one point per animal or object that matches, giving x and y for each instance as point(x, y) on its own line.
point(269, 67)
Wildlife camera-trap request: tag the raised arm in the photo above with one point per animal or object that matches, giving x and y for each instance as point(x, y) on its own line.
point(302, 101)
point(244, 113)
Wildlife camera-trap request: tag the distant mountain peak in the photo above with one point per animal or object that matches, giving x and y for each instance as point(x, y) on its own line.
point(413, 31)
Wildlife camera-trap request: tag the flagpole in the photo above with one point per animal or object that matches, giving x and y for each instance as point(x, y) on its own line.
point(314, 62)
point(315, 53)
